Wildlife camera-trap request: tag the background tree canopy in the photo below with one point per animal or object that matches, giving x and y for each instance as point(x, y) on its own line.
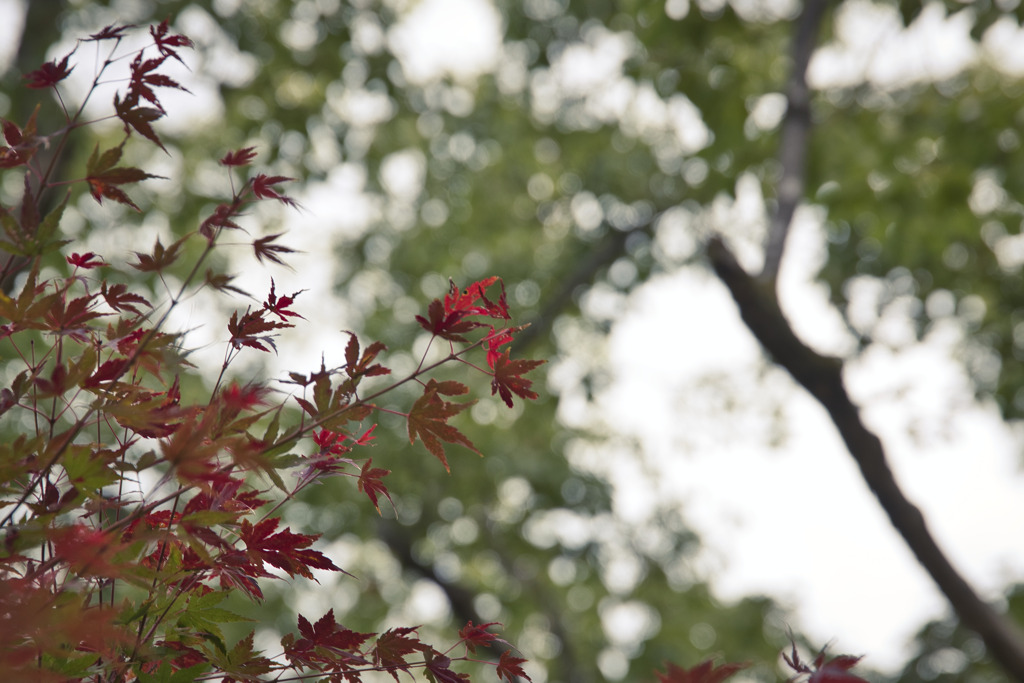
point(587, 148)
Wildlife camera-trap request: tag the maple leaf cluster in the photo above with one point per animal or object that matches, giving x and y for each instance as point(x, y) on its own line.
point(462, 311)
point(821, 670)
point(108, 407)
point(329, 647)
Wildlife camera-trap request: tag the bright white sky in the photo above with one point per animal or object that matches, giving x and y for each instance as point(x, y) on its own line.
point(794, 521)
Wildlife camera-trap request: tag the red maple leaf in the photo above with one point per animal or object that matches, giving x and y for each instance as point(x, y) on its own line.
point(330, 443)
point(285, 550)
point(238, 398)
point(70, 317)
point(392, 647)
point(835, 670)
point(104, 176)
point(325, 642)
point(509, 667)
point(22, 141)
point(473, 300)
point(226, 496)
point(280, 307)
point(139, 118)
point(450, 326)
point(108, 371)
point(493, 342)
point(265, 250)
point(367, 437)
point(222, 217)
point(449, 320)
point(250, 328)
point(143, 80)
point(161, 258)
point(12, 133)
point(474, 636)
point(222, 283)
point(89, 552)
point(166, 42)
point(370, 483)
point(49, 74)
point(329, 633)
point(438, 666)
point(262, 187)
point(429, 417)
point(508, 378)
point(705, 672)
point(363, 366)
point(119, 298)
point(111, 31)
point(239, 157)
point(86, 261)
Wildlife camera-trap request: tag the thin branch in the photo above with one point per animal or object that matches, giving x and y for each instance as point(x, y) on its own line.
point(796, 134)
point(822, 377)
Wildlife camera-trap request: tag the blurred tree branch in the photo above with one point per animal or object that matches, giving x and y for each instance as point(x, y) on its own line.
point(822, 375)
point(796, 134)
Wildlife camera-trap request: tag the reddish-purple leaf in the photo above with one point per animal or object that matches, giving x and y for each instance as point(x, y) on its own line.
point(474, 636)
point(357, 366)
point(239, 397)
point(222, 217)
point(86, 261)
point(250, 328)
point(119, 298)
point(280, 307)
point(107, 372)
point(428, 419)
point(285, 550)
point(508, 378)
point(12, 133)
point(138, 118)
point(392, 647)
point(112, 31)
point(493, 343)
point(49, 74)
point(266, 250)
point(822, 670)
point(222, 283)
point(144, 78)
point(438, 666)
point(262, 187)
point(509, 667)
point(370, 483)
point(166, 41)
point(329, 633)
point(239, 157)
point(161, 258)
point(705, 672)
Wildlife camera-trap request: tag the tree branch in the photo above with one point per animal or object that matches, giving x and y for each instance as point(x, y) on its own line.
point(822, 377)
point(796, 134)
